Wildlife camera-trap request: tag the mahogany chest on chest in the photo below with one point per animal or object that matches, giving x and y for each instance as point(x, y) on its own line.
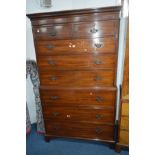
point(77, 62)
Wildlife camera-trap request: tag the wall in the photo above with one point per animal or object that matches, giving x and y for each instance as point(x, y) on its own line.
point(58, 5)
point(33, 5)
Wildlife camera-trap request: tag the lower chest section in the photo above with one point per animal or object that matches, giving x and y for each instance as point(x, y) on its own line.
point(79, 113)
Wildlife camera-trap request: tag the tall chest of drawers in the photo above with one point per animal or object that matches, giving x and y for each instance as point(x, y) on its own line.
point(77, 62)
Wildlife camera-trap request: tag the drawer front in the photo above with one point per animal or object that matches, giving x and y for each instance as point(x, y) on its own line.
point(78, 78)
point(79, 114)
point(76, 18)
point(93, 17)
point(78, 46)
point(76, 62)
point(52, 32)
point(78, 97)
point(124, 137)
point(124, 123)
point(95, 29)
point(80, 130)
point(125, 109)
point(50, 20)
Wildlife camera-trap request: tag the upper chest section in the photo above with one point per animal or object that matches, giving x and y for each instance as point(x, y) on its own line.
point(90, 23)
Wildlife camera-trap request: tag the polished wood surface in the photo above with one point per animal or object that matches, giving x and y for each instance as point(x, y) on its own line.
point(78, 46)
point(85, 130)
point(69, 114)
point(87, 78)
point(125, 109)
point(76, 30)
point(124, 123)
point(74, 18)
point(77, 62)
point(124, 137)
point(94, 29)
point(78, 97)
point(77, 59)
point(52, 32)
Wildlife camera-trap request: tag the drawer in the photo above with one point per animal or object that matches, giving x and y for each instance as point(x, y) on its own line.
point(76, 62)
point(125, 109)
point(95, 78)
point(93, 17)
point(70, 114)
point(80, 130)
point(124, 123)
point(49, 20)
point(76, 46)
point(76, 18)
point(124, 137)
point(78, 97)
point(58, 31)
point(94, 29)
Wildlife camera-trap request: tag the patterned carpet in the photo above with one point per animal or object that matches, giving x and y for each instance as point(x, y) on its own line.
point(35, 145)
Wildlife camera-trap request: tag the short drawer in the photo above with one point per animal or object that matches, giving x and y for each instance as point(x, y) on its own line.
point(77, 46)
point(69, 114)
point(124, 123)
point(80, 130)
point(78, 97)
point(125, 109)
point(95, 29)
point(58, 31)
point(93, 78)
point(49, 20)
point(77, 62)
point(93, 17)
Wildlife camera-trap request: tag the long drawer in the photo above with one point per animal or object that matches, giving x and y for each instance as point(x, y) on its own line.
point(78, 97)
point(77, 62)
point(69, 114)
point(76, 18)
point(92, 78)
point(77, 46)
point(80, 130)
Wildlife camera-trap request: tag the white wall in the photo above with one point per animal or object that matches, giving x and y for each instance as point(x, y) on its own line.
point(59, 5)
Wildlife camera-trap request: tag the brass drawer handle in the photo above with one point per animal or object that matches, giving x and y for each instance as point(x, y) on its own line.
point(98, 62)
point(54, 78)
point(98, 130)
point(93, 30)
point(53, 33)
point(55, 114)
point(98, 78)
point(49, 46)
point(98, 45)
point(54, 97)
point(99, 116)
point(99, 99)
